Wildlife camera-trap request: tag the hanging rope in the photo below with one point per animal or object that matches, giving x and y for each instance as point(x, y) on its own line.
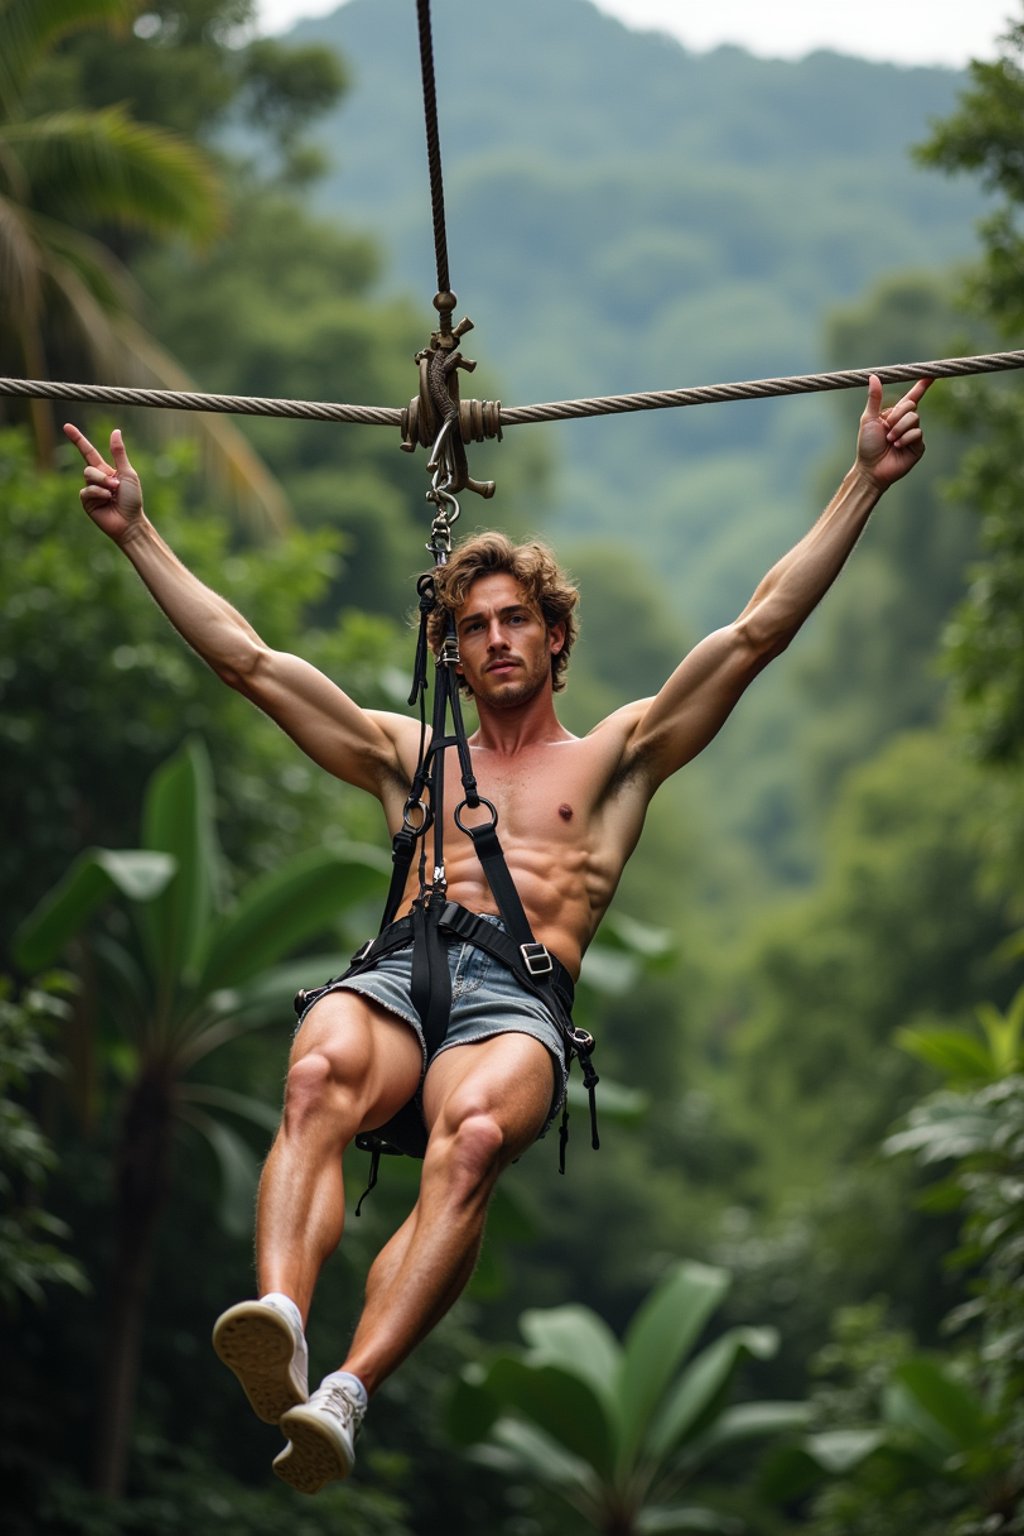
point(479, 419)
point(434, 153)
point(434, 416)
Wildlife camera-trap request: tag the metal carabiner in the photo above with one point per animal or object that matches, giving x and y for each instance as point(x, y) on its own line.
point(434, 462)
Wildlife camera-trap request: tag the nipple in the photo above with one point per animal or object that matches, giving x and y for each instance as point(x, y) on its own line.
point(565, 811)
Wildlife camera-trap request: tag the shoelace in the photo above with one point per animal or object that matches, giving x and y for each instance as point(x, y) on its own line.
point(336, 1399)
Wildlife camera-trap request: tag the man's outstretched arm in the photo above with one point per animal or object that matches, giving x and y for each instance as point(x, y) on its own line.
point(699, 696)
point(356, 745)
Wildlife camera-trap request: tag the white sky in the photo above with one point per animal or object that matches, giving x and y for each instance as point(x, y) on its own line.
point(902, 31)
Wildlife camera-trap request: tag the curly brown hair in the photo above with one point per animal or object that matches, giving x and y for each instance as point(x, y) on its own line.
point(535, 570)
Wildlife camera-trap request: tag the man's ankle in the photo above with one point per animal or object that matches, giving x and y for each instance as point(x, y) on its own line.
point(286, 1304)
point(351, 1382)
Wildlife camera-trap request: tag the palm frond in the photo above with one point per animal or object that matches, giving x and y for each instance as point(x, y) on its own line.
point(111, 168)
point(98, 298)
point(20, 285)
point(28, 28)
point(233, 464)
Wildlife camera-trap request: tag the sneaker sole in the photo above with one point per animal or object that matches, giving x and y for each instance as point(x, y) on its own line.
point(259, 1347)
point(313, 1458)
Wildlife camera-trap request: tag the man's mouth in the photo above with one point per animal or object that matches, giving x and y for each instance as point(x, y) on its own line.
point(502, 666)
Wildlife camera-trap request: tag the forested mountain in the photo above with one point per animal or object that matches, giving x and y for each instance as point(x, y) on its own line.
point(624, 214)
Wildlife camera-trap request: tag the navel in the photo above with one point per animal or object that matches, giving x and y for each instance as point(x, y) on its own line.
point(565, 811)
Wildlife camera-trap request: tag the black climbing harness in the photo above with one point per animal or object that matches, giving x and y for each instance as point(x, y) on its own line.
point(434, 921)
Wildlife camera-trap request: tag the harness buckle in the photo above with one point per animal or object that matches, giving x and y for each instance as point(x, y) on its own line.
point(362, 952)
point(448, 655)
point(536, 959)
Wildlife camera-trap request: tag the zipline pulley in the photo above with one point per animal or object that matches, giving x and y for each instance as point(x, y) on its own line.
point(436, 418)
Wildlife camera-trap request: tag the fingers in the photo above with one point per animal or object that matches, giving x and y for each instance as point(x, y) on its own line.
point(101, 480)
point(873, 407)
point(85, 448)
point(119, 452)
point(902, 422)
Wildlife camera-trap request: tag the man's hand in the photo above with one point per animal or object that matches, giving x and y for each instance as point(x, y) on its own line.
point(112, 495)
point(890, 442)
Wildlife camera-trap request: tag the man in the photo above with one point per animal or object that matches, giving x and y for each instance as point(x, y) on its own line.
point(571, 811)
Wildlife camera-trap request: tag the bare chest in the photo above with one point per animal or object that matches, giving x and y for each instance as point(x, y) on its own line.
point(546, 793)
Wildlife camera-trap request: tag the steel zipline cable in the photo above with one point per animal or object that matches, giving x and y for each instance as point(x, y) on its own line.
point(522, 415)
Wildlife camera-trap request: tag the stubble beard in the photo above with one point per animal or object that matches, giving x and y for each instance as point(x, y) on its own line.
point(516, 691)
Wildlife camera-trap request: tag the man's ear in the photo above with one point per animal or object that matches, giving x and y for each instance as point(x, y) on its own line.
point(556, 637)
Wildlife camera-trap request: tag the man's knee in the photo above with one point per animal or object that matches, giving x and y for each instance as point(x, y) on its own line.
point(321, 1083)
point(469, 1150)
point(351, 1063)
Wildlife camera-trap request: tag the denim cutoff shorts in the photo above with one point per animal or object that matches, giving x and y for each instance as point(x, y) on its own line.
point(486, 1001)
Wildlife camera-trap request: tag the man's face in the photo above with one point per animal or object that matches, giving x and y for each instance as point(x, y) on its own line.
point(505, 646)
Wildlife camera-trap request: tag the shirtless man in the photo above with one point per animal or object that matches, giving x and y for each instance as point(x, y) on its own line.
point(571, 811)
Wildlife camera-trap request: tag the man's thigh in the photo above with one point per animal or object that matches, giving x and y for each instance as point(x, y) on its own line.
point(365, 1051)
point(510, 1077)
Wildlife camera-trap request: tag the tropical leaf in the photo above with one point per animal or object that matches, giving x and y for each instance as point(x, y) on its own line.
point(141, 875)
point(945, 1126)
point(28, 29)
point(576, 1339)
point(558, 1402)
point(795, 1469)
point(255, 1111)
point(288, 908)
point(748, 1421)
point(620, 931)
point(233, 465)
point(177, 818)
point(699, 1392)
point(547, 1458)
point(1004, 1033)
point(126, 988)
point(923, 1397)
point(126, 172)
point(661, 1333)
point(239, 1170)
point(608, 972)
point(961, 1057)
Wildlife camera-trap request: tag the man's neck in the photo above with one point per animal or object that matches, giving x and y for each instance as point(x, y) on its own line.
point(510, 731)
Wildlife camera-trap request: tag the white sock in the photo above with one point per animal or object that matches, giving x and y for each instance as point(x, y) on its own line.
point(286, 1304)
point(354, 1385)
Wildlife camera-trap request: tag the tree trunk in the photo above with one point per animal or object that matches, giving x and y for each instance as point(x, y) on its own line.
point(142, 1173)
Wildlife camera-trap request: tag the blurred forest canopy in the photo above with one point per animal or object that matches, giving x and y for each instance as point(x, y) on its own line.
point(843, 864)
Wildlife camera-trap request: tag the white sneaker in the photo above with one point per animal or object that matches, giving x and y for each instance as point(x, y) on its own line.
point(262, 1343)
point(321, 1438)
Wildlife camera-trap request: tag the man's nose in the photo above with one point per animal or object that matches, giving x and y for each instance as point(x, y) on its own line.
point(496, 638)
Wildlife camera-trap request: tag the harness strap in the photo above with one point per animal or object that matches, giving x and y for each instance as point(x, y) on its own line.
point(491, 855)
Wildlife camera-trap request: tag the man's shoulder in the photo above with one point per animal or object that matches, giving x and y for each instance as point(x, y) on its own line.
point(620, 724)
point(612, 741)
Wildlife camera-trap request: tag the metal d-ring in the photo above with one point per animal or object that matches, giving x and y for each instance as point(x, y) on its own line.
point(407, 824)
point(483, 827)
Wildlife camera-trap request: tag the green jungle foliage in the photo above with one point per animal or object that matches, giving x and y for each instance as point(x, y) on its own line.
point(623, 1430)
